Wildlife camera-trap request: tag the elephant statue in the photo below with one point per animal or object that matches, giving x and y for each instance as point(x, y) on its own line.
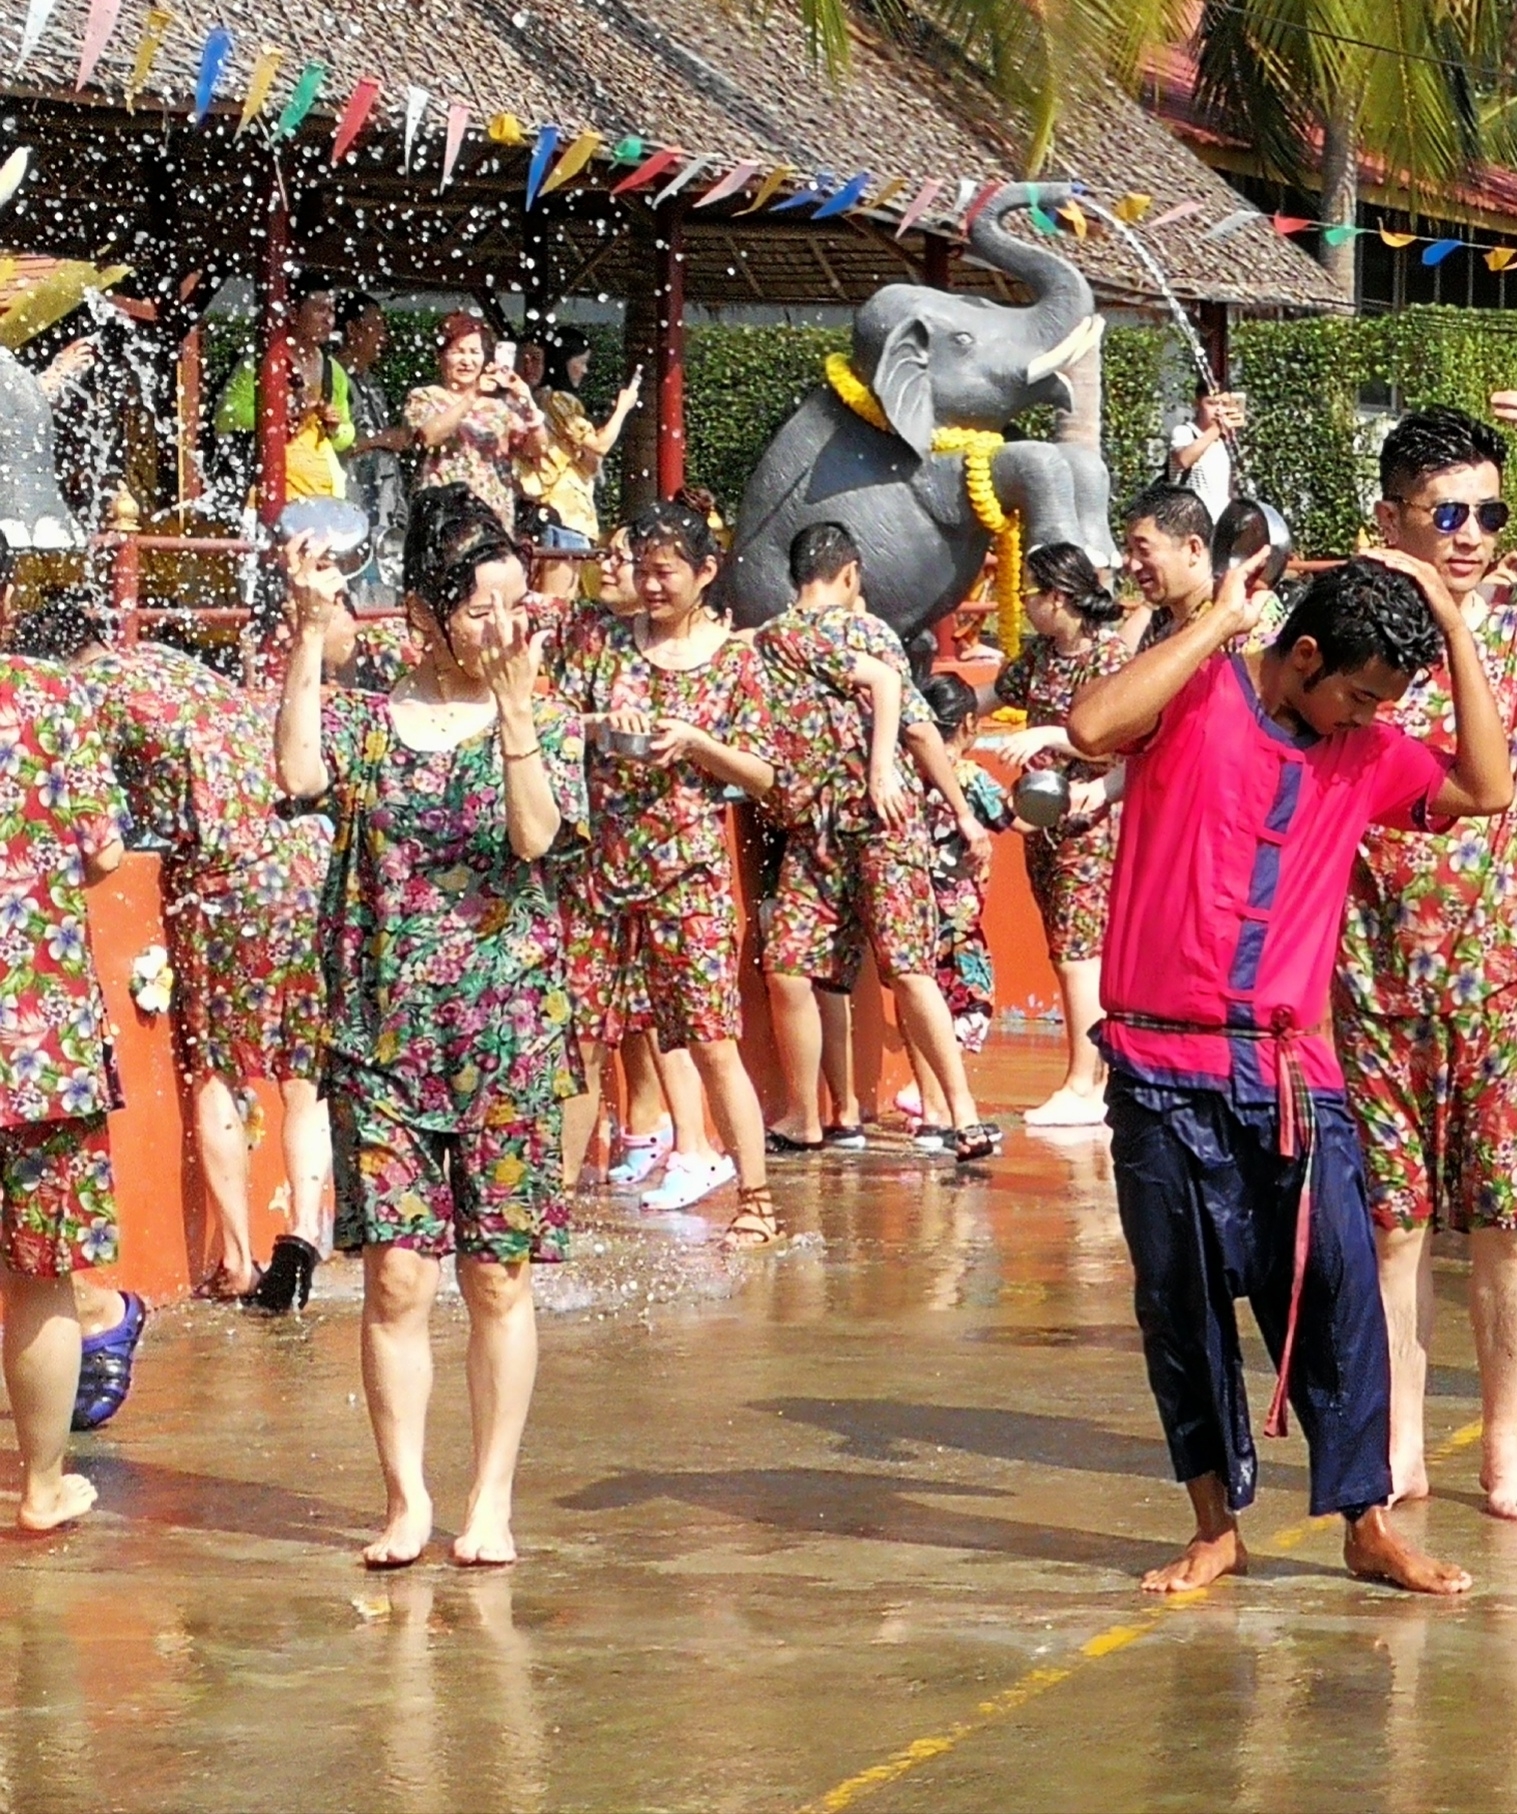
point(33, 514)
point(933, 360)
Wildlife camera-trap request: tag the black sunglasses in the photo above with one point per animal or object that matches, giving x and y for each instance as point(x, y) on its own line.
point(1492, 516)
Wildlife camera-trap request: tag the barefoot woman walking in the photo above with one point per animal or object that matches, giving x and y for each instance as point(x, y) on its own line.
point(448, 1044)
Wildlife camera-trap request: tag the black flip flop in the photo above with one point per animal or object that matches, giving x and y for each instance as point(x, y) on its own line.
point(779, 1145)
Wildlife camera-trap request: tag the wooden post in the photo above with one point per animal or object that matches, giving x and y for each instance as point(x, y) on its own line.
point(669, 352)
point(1213, 325)
point(191, 375)
point(273, 422)
point(935, 272)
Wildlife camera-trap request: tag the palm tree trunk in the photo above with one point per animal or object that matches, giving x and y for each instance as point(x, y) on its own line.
point(1340, 187)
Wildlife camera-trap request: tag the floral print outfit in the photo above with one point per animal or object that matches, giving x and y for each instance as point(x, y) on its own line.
point(240, 881)
point(448, 1044)
point(657, 911)
point(846, 881)
point(964, 971)
point(1425, 1003)
point(1069, 865)
point(59, 804)
point(480, 451)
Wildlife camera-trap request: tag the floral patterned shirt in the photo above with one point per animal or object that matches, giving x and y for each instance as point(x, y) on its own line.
point(481, 449)
point(1043, 683)
point(960, 892)
point(194, 753)
point(822, 725)
point(442, 949)
point(59, 804)
point(654, 825)
point(1432, 917)
point(383, 650)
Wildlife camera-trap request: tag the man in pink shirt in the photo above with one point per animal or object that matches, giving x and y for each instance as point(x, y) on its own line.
point(1251, 778)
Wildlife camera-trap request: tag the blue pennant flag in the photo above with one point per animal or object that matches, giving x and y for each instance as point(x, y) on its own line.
point(213, 59)
point(820, 186)
point(542, 156)
point(850, 192)
point(1439, 250)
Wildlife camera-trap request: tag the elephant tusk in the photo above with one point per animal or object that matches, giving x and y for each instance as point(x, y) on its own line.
point(1070, 351)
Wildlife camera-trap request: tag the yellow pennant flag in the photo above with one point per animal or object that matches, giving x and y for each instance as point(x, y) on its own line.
point(887, 192)
point(1396, 240)
point(1499, 257)
point(769, 188)
point(573, 161)
point(259, 84)
point(155, 28)
point(1133, 207)
point(1075, 215)
point(506, 129)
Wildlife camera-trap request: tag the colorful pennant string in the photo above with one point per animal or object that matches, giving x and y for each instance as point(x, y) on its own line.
point(155, 29)
point(738, 177)
point(418, 100)
point(768, 189)
point(1075, 215)
point(542, 156)
point(1287, 224)
point(980, 202)
point(1499, 257)
point(628, 150)
point(649, 170)
point(1232, 223)
point(574, 160)
point(302, 100)
point(1041, 218)
point(265, 69)
point(918, 206)
point(695, 168)
point(98, 27)
point(1439, 250)
point(887, 192)
point(506, 129)
point(847, 197)
point(1180, 211)
point(1133, 207)
point(38, 12)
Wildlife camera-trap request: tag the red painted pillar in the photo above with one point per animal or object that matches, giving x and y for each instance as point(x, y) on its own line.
point(191, 384)
point(669, 349)
point(273, 356)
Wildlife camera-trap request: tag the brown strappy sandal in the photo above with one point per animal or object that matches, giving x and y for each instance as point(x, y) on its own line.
point(755, 1224)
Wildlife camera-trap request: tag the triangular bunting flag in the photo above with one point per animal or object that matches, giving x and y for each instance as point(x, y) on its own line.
point(1041, 218)
point(847, 197)
point(506, 129)
point(1074, 214)
point(1396, 240)
point(628, 150)
point(38, 12)
point(967, 190)
point(887, 192)
point(458, 125)
point(155, 29)
point(259, 83)
point(1499, 257)
point(981, 201)
point(360, 106)
point(542, 156)
point(1286, 224)
point(417, 102)
point(1439, 250)
point(918, 205)
point(696, 167)
point(738, 177)
point(649, 170)
point(1180, 211)
point(574, 160)
point(769, 188)
point(97, 32)
point(13, 172)
point(302, 100)
point(213, 59)
point(1231, 223)
point(1133, 207)
point(1339, 232)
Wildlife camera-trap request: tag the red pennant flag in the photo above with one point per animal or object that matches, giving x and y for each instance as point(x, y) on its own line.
point(360, 106)
point(980, 203)
point(1286, 224)
point(649, 170)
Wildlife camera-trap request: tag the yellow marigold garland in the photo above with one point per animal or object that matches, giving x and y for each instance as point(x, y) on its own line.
point(978, 446)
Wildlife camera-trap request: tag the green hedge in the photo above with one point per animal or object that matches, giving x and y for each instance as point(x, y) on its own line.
point(1306, 449)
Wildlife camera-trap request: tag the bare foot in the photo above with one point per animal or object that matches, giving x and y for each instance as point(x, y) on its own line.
point(45, 1511)
point(1069, 1108)
point(1499, 1484)
point(1409, 1480)
point(1206, 1559)
point(403, 1538)
point(1373, 1552)
point(485, 1540)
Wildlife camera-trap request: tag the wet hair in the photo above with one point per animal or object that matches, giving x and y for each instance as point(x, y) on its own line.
point(950, 700)
point(353, 305)
point(450, 535)
point(1361, 610)
point(562, 345)
point(700, 500)
point(1175, 509)
point(820, 552)
point(57, 630)
point(674, 525)
point(1065, 568)
point(922, 655)
point(459, 325)
point(1433, 440)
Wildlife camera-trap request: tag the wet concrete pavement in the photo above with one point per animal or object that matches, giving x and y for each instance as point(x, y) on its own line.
point(857, 1525)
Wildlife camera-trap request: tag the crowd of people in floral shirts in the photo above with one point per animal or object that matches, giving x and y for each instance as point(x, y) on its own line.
point(429, 878)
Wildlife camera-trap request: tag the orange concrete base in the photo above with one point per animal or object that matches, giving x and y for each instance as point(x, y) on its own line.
point(167, 1243)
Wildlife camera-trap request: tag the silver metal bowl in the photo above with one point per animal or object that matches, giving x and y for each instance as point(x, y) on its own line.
point(1041, 797)
point(344, 527)
point(1245, 527)
point(634, 746)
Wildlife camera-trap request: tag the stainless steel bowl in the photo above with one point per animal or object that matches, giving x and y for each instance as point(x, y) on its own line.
point(634, 746)
point(1246, 526)
point(341, 525)
point(1041, 797)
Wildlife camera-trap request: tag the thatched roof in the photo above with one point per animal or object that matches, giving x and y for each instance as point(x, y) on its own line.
point(691, 73)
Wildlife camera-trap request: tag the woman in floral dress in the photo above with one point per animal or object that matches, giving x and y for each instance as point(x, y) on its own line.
point(478, 421)
point(658, 909)
point(1070, 864)
point(448, 1048)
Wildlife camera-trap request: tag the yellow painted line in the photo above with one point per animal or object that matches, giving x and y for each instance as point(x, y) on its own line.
point(1038, 1681)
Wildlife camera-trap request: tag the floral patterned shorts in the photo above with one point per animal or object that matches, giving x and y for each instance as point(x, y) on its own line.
point(248, 995)
point(837, 898)
point(1071, 881)
point(967, 978)
point(1436, 1103)
point(494, 1192)
point(669, 963)
point(57, 1204)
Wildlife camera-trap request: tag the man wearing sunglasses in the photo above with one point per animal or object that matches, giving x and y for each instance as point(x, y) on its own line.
point(1426, 997)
